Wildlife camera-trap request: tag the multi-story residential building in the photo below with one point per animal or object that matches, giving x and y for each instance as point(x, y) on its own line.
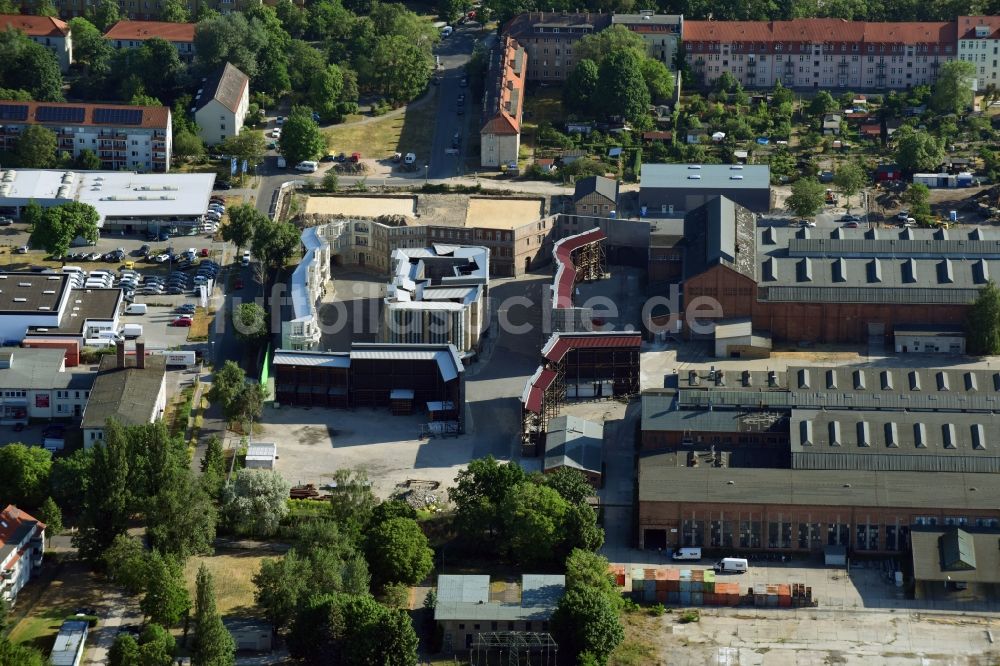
point(22, 545)
point(132, 34)
point(48, 31)
point(549, 38)
point(979, 43)
point(437, 295)
point(661, 32)
point(122, 136)
point(222, 104)
point(152, 10)
point(820, 53)
point(500, 133)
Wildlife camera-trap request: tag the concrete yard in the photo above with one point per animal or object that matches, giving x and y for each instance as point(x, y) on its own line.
point(502, 213)
point(361, 206)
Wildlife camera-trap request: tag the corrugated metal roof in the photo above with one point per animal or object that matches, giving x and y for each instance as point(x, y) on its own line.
point(560, 343)
point(574, 442)
point(261, 451)
point(709, 176)
point(315, 359)
point(889, 247)
point(540, 593)
point(463, 588)
point(868, 295)
point(535, 389)
point(661, 480)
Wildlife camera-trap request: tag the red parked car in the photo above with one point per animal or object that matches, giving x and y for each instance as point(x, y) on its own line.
point(182, 321)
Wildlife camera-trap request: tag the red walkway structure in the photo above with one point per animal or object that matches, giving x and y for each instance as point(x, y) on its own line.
point(577, 366)
point(578, 258)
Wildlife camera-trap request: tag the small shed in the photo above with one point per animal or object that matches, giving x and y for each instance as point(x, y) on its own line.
point(261, 455)
point(577, 443)
point(249, 633)
point(929, 339)
point(735, 338)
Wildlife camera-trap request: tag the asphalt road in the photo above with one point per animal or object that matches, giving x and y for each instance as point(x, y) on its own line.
point(454, 52)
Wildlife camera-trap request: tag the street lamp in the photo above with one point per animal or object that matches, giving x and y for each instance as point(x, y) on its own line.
point(426, 166)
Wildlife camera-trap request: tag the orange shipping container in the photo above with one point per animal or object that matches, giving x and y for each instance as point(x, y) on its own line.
point(673, 574)
point(620, 579)
point(784, 602)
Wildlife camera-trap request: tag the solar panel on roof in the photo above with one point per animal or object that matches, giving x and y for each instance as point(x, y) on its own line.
point(13, 111)
point(118, 116)
point(60, 114)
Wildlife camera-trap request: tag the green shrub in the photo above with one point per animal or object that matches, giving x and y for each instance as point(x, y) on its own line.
point(689, 616)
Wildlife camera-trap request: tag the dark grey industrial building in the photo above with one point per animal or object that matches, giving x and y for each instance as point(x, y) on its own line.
point(673, 189)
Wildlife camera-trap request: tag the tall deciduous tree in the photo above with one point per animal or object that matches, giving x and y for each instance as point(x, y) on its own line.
point(166, 600)
point(243, 221)
point(570, 483)
point(916, 150)
point(397, 552)
point(174, 11)
point(213, 644)
point(125, 563)
point(50, 514)
point(88, 160)
point(581, 87)
point(982, 323)
point(36, 147)
point(13, 654)
point(282, 585)
point(107, 498)
point(918, 198)
point(213, 467)
point(481, 492)
point(25, 65)
point(300, 136)
point(822, 104)
point(24, 474)
point(587, 621)
point(104, 14)
point(352, 500)
point(250, 321)
point(402, 68)
point(806, 198)
point(247, 145)
point(255, 501)
point(849, 179)
point(658, 79)
point(952, 92)
point(623, 90)
point(59, 225)
point(597, 46)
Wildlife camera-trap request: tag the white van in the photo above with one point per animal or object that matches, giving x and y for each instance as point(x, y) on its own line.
point(446, 31)
point(687, 554)
point(732, 565)
point(136, 309)
point(132, 331)
point(73, 269)
point(308, 166)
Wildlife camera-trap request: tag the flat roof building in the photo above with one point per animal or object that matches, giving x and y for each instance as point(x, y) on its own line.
point(955, 562)
point(70, 643)
point(672, 189)
point(47, 306)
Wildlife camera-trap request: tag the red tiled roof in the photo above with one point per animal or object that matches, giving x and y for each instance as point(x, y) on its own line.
point(35, 26)
point(819, 30)
point(560, 343)
point(153, 117)
point(13, 519)
point(871, 129)
point(657, 136)
point(967, 26)
point(535, 390)
point(506, 98)
point(143, 30)
point(565, 270)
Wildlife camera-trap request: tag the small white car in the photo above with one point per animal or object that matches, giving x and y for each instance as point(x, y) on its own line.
point(307, 166)
point(410, 158)
point(276, 133)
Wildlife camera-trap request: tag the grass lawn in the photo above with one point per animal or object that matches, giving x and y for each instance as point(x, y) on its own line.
point(203, 319)
point(637, 648)
point(232, 572)
point(411, 132)
point(46, 602)
point(543, 105)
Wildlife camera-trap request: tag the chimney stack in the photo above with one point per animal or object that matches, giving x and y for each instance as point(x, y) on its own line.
point(140, 353)
point(120, 351)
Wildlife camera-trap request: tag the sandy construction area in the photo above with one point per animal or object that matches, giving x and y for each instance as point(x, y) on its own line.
point(361, 206)
point(502, 213)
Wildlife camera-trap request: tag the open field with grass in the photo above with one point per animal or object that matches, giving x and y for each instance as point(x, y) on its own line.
point(203, 318)
point(42, 605)
point(232, 572)
point(543, 105)
point(637, 649)
point(379, 138)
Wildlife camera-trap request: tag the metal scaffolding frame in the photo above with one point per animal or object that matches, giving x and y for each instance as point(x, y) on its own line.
point(513, 648)
point(589, 261)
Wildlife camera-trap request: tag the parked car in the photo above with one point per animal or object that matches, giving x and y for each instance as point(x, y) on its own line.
point(851, 225)
point(23, 249)
point(850, 218)
point(6, 221)
point(223, 185)
point(182, 321)
point(187, 308)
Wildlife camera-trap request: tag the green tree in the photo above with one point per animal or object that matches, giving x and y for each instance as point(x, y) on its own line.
point(10, 8)
point(570, 483)
point(451, 10)
point(36, 147)
point(213, 467)
point(50, 514)
point(822, 104)
point(166, 599)
point(482, 490)
point(13, 654)
point(89, 46)
point(580, 530)
point(25, 65)
point(534, 518)
point(188, 144)
point(255, 501)
point(726, 83)
point(581, 87)
point(125, 563)
point(982, 323)
point(326, 85)
point(24, 474)
point(107, 498)
point(952, 92)
point(124, 651)
point(156, 646)
point(180, 515)
point(213, 644)
point(807, 197)
point(397, 552)
point(300, 137)
point(250, 322)
point(4, 614)
point(623, 89)
point(282, 585)
point(243, 221)
point(850, 178)
point(916, 150)
point(247, 145)
point(104, 14)
point(174, 11)
point(227, 384)
point(599, 45)
point(658, 79)
point(401, 69)
point(587, 621)
point(330, 181)
point(352, 501)
point(588, 570)
point(918, 197)
point(59, 225)
point(88, 160)
point(274, 243)
point(390, 509)
point(68, 478)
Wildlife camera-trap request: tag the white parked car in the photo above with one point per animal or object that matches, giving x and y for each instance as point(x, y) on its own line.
point(162, 258)
point(410, 158)
point(276, 133)
point(307, 166)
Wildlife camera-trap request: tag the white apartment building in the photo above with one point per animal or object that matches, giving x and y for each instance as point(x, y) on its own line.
point(820, 53)
point(979, 43)
point(123, 137)
point(661, 32)
point(34, 384)
point(437, 296)
point(48, 31)
point(22, 545)
point(221, 105)
point(133, 34)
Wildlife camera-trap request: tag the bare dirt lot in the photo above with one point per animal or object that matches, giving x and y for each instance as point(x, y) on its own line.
point(362, 206)
point(502, 213)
